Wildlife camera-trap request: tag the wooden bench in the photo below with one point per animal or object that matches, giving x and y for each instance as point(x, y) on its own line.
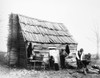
point(40, 65)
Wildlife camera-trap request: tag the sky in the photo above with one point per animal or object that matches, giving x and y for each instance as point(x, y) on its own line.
point(79, 16)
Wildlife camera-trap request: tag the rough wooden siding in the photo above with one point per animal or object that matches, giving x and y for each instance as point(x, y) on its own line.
point(22, 52)
point(22, 58)
point(21, 49)
point(73, 49)
point(73, 46)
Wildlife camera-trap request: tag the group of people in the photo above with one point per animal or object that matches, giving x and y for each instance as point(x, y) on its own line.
point(62, 55)
point(81, 62)
point(54, 65)
point(52, 60)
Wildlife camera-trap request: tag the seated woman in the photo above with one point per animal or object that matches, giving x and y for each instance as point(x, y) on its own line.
point(51, 61)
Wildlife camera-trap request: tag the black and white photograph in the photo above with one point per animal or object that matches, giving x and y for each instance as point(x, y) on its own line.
point(49, 38)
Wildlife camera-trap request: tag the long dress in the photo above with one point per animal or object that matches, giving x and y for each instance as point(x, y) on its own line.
point(62, 60)
point(29, 50)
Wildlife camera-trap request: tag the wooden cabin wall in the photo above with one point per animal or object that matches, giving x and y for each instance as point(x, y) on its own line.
point(16, 45)
point(22, 57)
point(73, 49)
point(22, 52)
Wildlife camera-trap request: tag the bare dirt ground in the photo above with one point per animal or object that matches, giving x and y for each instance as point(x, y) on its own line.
point(7, 72)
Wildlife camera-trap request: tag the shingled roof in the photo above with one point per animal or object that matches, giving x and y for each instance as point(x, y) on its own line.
point(40, 31)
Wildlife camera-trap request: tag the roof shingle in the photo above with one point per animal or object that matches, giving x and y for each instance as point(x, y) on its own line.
point(41, 31)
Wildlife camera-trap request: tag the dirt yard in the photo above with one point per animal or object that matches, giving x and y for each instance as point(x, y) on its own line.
point(7, 72)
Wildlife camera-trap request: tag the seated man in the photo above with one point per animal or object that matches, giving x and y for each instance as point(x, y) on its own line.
point(87, 59)
point(82, 62)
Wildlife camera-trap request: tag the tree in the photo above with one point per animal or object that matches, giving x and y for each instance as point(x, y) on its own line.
point(97, 36)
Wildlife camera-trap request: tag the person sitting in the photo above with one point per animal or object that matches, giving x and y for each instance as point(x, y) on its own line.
point(86, 60)
point(51, 61)
point(82, 60)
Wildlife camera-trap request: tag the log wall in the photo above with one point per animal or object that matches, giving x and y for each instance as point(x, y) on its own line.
point(22, 57)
